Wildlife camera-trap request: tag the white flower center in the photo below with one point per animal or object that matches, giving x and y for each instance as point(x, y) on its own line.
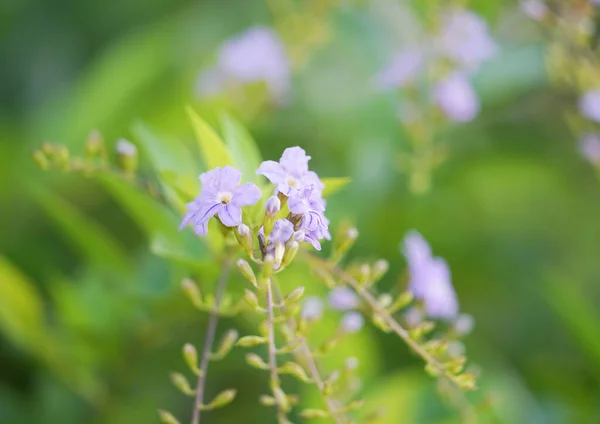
point(224, 197)
point(293, 182)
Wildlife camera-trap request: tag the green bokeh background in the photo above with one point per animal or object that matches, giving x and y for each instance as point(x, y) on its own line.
point(514, 210)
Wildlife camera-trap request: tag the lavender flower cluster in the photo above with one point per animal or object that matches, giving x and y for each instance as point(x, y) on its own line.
point(459, 47)
point(296, 187)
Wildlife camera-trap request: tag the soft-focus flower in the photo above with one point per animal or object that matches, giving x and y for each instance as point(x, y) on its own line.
point(309, 204)
point(464, 324)
point(280, 234)
point(429, 278)
point(352, 322)
point(291, 173)
point(534, 9)
point(312, 308)
point(589, 105)
point(404, 67)
point(256, 55)
point(456, 98)
point(342, 298)
point(125, 148)
point(465, 39)
point(221, 195)
point(589, 146)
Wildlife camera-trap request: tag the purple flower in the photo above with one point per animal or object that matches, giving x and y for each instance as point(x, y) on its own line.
point(310, 206)
point(221, 195)
point(456, 98)
point(342, 298)
point(464, 38)
point(429, 278)
point(256, 55)
point(534, 9)
point(126, 148)
point(291, 173)
point(280, 234)
point(401, 70)
point(589, 146)
point(312, 308)
point(352, 322)
point(589, 105)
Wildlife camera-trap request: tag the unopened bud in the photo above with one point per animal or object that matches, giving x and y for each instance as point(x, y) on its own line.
point(272, 206)
point(227, 343)
point(281, 398)
point(190, 289)
point(279, 252)
point(464, 324)
point(127, 156)
point(298, 236)
point(379, 269)
point(268, 265)
point(182, 384)
point(266, 400)
point(244, 238)
point(352, 363)
point(250, 341)
point(352, 322)
point(385, 300)
point(191, 358)
point(364, 274)
point(246, 271)
point(256, 361)
point(166, 417)
point(40, 159)
point(314, 413)
point(344, 242)
point(94, 146)
point(295, 295)
point(251, 299)
point(62, 156)
point(222, 399)
point(290, 252)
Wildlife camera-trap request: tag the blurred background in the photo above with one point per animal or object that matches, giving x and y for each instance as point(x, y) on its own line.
point(92, 319)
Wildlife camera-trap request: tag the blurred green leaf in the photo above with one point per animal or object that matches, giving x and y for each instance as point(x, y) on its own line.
point(85, 235)
point(214, 152)
point(21, 308)
point(159, 223)
point(333, 185)
point(173, 162)
point(242, 147)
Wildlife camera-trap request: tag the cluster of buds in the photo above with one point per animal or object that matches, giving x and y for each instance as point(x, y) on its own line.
point(53, 156)
point(573, 63)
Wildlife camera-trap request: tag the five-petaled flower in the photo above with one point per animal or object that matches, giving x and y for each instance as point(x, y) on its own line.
point(221, 195)
point(291, 173)
point(309, 206)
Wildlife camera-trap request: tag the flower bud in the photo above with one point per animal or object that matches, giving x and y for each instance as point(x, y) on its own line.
point(182, 384)
point(343, 243)
point(256, 361)
point(385, 300)
point(166, 417)
point(247, 271)
point(190, 289)
point(127, 156)
point(94, 145)
point(379, 269)
point(290, 252)
point(222, 399)
point(251, 341)
point(40, 159)
point(227, 343)
point(251, 299)
point(272, 206)
point(279, 252)
point(464, 324)
point(298, 236)
point(191, 358)
point(352, 322)
point(352, 363)
point(314, 413)
point(312, 309)
point(244, 238)
point(268, 265)
point(295, 295)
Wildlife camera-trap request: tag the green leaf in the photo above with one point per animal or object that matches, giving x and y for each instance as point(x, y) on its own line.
point(213, 150)
point(21, 308)
point(159, 223)
point(173, 163)
point(333, 185)
point(242, 147)
point(85, 235)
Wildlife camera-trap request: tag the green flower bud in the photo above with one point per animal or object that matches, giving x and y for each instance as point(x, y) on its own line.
point(294, 369)
point(190, 355)
point(256, 361)
point(182, 384)
point(295, 295)
point(222, 399)
point(314, 413)
point(166, 417)
point(227, 343)
point(190, 288)
point(250, 341)
point(247, 271)
point(290, 252)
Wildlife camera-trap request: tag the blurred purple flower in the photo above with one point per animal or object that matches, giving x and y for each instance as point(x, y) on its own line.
point(589, 105)
point(281, 233)
point(352, 322)
point(255, 55)
point(221, 195)
point(126, 147)
point(404, 67)
point(589, 146)
point(534, 9)
point(291, 173)
point(429, 278)
point(465, 39)
point(312, 308)
point(456, 98)
point(342, 298)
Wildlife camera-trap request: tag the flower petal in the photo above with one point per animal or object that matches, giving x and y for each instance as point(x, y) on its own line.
point(201, 228)
point(207, 211)
point(272, 170)
point(246, 194)
point(298, 205)
point(229, 178)
point(230, 215)
point(295, 161)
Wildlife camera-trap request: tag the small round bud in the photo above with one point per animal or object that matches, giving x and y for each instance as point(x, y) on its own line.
point(272, 206)
point(342, 298)
point(352, 322)
point(127, 157)
point(243, 230)
point(352, 233)
point(126, 148)
point(244, 238)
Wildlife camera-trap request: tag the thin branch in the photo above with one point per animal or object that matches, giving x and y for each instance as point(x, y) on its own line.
point(273, 348)
point(386, 317)
point(308, 357)
point(209, 339)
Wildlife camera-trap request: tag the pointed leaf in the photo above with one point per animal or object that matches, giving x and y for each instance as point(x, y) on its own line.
point(242, 147)
point(333, 185)
point(213, 150)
